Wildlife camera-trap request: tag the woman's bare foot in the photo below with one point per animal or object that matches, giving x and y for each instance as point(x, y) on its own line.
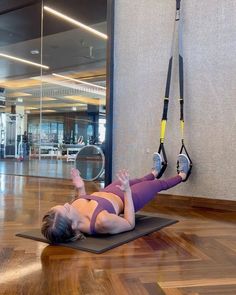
point(76, 179)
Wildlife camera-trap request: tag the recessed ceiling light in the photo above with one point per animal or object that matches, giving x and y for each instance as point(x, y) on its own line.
point(23, 60)
point(81, 88)
point(48, 111)
point(17, 94)
point(79, 81)
point(75, 22)
point(34, 51)
point(74, 109)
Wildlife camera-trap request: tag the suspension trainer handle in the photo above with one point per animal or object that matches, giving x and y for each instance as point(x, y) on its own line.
point(183, 149)
point(162, 152)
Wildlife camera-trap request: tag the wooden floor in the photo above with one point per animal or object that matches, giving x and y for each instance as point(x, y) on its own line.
point(196, 256)
point(44, 167)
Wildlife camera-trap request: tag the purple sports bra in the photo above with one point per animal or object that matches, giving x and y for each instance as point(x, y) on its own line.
point(103, 204)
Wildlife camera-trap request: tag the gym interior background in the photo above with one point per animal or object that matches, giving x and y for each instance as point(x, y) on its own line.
point(59, 102)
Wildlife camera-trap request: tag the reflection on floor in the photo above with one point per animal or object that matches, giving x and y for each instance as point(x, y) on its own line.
point(41, 168)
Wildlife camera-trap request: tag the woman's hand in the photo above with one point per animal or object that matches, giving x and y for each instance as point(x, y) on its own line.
point(129, 211)
point(123, 177)
point(76, 179)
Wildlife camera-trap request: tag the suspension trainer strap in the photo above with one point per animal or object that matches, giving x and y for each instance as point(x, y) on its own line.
point(161, 149)
point(181, 74)
point(177, 33)
point(181, 86)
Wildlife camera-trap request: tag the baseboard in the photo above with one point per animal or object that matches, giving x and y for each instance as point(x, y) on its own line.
point(167, 200)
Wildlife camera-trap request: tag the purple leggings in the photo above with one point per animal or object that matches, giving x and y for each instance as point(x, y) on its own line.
point(143, 189)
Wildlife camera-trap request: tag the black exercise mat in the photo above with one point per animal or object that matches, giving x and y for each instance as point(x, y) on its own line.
point(101, 243)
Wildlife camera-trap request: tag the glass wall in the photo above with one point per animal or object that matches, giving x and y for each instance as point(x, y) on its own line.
point(20, 29)
point(52, 84)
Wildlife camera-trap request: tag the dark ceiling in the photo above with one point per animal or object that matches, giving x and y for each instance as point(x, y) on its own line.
point(64, 45)
point(66, 49)
point(21, 20)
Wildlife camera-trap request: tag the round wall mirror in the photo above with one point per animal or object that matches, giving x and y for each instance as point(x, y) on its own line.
point(90, 162)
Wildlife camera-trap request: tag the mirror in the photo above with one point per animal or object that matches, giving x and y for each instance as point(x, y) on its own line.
point(90, 162)
point(53, 84)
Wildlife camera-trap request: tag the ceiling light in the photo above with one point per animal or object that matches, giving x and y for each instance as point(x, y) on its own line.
point(86, 100)
point(48, 111)
point(74, 109)
point(81, 88)
point(31, 108)
point(75, 22)
point(34, 51)
point(19, 99)
point(17, 94)
point(23, 60)
point(79, 81)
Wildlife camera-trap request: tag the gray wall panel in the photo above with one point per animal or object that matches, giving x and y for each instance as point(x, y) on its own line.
point(143, 34)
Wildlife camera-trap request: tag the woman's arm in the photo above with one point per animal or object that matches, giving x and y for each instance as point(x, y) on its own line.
point(80, 191)
point(113, 224)
point(78, 182)
point(116, 224)
point(129, 213)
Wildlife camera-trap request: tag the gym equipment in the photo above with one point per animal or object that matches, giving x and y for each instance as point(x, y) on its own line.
point(176, 33)
point(14, 127)
point(90, 161)
point(101, 243)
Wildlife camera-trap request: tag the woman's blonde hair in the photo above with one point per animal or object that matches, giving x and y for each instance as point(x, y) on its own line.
point(58, 228)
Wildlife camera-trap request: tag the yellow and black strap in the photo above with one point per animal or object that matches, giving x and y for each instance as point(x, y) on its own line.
point(161, 150)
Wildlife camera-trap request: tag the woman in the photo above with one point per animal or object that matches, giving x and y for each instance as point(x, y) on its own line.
point(100, 211)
